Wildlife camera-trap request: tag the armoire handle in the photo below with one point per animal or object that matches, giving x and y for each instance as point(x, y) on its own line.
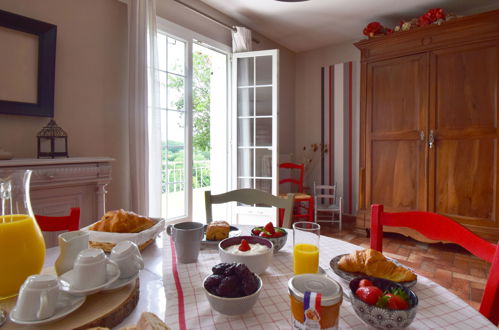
point(431, 139)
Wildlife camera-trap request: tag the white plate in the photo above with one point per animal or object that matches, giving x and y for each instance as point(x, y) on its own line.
point(66, 281)
point(347, 276)
point(65, 304)
point(121, 282)
point(234, 231)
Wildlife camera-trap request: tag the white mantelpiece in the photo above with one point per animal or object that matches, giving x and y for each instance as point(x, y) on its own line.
point(61, 183)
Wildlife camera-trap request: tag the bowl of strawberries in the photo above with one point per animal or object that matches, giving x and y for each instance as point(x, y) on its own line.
point(382, 303)
point(277, 235)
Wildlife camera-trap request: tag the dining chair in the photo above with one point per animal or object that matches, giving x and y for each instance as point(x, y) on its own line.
point(250, 196)
point(304, 203)
point(68, 222)
point(326, 201)
point(440, 228)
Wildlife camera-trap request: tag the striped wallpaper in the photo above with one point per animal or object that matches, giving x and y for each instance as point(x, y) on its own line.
point(340, 130)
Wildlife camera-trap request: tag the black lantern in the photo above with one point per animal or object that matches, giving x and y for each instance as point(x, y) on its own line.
point(52, 141)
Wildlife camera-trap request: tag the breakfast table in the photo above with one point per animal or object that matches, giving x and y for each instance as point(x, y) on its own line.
point(174, 292)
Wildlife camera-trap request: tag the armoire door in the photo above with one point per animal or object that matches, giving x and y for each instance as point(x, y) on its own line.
point(396, 121)
point(463, 161)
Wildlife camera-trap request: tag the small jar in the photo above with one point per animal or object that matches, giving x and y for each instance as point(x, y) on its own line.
point(315, 301)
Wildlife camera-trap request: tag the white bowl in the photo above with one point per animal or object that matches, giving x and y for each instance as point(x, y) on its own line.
point(233, 306)
point(257, 263)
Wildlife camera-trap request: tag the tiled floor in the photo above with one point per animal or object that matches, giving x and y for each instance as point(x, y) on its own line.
point(447, 264)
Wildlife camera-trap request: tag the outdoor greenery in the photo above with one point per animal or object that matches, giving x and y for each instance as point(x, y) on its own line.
point(202, 70)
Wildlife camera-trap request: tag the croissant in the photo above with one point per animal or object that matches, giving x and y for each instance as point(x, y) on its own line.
point(120, 221)
point(374, 263)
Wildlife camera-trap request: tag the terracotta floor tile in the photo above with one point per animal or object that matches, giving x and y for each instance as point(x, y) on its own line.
point(403, 251)
point(444, 277)
point(478, 272)
point(477, 285)
point(476, 294)
point(469, 278)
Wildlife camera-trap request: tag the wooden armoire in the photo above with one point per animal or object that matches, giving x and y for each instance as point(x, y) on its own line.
point(429, 122)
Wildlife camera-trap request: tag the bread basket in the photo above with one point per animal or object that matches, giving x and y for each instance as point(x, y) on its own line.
point(107, 240)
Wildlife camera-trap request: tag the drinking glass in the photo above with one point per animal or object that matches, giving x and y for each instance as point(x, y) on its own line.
point(22, 248)
point(306, 247)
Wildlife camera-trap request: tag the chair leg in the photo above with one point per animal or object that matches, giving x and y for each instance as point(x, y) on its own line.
point(339, 217)
point(310, 210)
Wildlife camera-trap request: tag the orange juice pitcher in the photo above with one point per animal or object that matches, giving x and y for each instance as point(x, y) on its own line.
point(22, 248)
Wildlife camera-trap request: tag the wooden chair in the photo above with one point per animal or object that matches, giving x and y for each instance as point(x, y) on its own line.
point(250, 196)
point(437, 227)
point(325, 201)
point(304, 203)
point(69, 222)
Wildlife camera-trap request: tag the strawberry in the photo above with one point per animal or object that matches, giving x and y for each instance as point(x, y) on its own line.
point(265, 234)
point(278, 234)
point(257, 230)
point(365, 282)
point(369, 294)
point(397, 302)
point(244, 245)
point(269, 228)
point(395, 299)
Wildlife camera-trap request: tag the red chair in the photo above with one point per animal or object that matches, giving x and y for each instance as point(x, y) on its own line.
point(304, 203)
point(69, 222)
point(438, 227)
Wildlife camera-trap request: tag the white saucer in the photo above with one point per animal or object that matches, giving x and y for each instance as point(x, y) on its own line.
point(121, 282)
point(65, 304)
point(66, 281)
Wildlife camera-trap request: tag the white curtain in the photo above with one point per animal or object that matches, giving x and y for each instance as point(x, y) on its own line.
point(141, 35)
point(241, 39)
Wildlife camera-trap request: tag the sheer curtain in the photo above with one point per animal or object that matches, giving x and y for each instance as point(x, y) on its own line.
point(142, 55)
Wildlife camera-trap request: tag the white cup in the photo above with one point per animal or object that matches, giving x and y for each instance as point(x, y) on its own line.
point(37, 298)
point(90, 269)
point(127, 255)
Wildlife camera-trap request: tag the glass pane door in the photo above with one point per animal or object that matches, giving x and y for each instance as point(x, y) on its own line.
point(172, 75)
point(255, 131)
point(193, 125)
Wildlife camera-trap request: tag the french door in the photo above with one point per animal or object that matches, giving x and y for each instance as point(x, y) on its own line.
point(191, 122)
point(255, 130)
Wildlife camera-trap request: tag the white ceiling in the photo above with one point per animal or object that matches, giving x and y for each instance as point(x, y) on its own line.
point(302, 26)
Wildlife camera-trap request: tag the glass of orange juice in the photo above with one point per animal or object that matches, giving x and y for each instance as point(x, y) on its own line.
point(22, 248)
point(306, 247)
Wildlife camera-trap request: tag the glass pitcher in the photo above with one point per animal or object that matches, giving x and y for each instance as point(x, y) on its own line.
point(22, 248)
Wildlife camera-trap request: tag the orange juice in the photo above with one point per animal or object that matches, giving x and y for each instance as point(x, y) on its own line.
point(22, 252)
point(305, 259)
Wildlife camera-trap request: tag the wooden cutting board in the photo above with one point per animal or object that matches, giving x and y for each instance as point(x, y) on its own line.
point(104, 309)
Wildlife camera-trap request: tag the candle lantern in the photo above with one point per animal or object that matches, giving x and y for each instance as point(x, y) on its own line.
point(52, 141)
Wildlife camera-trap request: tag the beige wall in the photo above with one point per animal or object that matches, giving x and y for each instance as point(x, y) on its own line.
point(308, 98)
point(90, 85)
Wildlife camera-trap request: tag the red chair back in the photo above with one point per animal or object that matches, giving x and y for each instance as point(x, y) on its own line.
point(438, 227)
point(296, 181)
point(69, 222)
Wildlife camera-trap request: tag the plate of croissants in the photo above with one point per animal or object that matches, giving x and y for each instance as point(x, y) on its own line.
point(216, 231)
point(372, 263)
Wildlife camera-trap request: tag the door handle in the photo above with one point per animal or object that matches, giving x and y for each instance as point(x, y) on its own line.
point(431, 139)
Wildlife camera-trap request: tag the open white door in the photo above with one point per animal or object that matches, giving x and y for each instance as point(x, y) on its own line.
point(254, 151)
